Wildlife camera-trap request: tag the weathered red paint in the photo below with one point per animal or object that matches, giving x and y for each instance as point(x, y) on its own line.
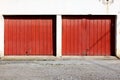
point(29, 35)
point(88, 35)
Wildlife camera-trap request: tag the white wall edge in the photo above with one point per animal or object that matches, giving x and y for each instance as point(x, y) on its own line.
point(59, 35)
point(118, 36)
point(1, 35)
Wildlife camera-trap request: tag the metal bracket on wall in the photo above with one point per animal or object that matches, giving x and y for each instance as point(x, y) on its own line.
point(107, 3)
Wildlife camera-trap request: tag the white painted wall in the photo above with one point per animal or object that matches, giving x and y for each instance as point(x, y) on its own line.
point(59, 35)
point(58, 7)
point(1, 36)
point(118, 36)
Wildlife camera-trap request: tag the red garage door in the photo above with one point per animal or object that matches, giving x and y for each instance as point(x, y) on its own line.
point(88, 35)
point(29, 35)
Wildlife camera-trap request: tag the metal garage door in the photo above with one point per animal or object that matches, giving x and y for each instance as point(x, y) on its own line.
point(29, 35)
point(88, 35)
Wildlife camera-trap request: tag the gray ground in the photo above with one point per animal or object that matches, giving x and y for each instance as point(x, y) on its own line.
point(60, 70)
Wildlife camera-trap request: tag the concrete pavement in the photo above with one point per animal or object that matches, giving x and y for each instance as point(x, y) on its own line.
point(68, 69)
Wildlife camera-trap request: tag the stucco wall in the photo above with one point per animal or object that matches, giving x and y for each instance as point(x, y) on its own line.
point(58, 7)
